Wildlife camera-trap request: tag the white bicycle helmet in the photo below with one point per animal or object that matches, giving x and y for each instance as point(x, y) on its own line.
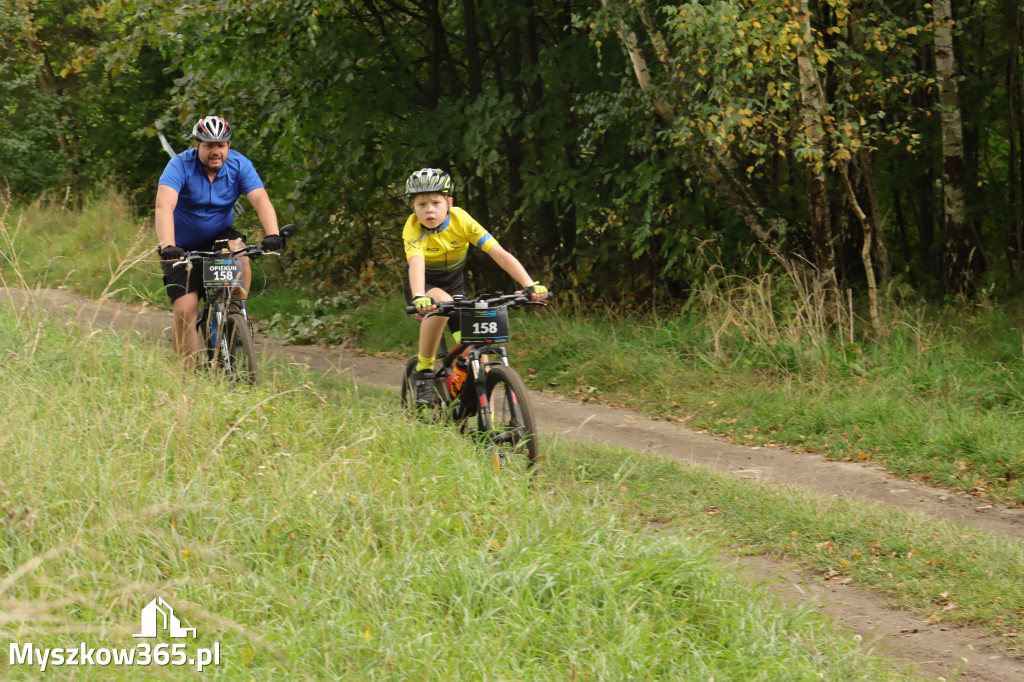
point(429, 180)
point(212, 129)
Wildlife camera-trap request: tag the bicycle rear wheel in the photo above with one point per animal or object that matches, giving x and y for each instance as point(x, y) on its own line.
point(512, 429)
point(433, 413)
point(240, 362)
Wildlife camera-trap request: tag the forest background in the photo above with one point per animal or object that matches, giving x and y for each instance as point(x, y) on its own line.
point(619, 147)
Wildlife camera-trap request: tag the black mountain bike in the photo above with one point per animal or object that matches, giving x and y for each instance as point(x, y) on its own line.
point(225, 333)
point(475, 379)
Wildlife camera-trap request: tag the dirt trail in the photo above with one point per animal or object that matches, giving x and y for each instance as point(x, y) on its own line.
point(896, 635)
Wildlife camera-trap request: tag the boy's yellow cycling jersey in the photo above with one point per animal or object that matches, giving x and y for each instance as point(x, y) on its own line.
point(444, 250)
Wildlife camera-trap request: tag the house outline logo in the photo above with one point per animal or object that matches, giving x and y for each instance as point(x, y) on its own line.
point(158, 612)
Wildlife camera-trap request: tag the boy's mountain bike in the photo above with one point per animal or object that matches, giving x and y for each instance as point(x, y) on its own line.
point(225, 333)
point(475, 379)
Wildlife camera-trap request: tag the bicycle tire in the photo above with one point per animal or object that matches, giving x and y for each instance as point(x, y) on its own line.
point(408, 392)
point(206, 354)
point(240, 363)
point(435, 413)
point(512, 428)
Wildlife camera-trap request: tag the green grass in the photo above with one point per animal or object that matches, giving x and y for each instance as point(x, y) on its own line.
point(99, 250)
point(316, 532)
point(936, 398)
point(942, 571)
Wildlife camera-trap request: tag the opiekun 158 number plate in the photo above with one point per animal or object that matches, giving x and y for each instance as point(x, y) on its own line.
point(222, 272)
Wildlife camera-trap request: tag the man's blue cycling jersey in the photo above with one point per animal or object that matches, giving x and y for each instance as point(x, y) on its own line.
point(205, 209)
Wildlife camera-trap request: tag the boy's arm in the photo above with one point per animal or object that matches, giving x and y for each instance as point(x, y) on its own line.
point(418, 282)
point(417, 275)
point(510, 264)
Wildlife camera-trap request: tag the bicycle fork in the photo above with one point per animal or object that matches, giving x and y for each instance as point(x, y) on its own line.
point(478, 369)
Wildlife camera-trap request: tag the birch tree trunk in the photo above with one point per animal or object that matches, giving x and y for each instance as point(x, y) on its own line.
point(817, 193)
point(962, 254)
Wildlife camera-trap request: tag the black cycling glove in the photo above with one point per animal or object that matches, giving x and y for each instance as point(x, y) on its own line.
point(172, 253)
point(272, 242)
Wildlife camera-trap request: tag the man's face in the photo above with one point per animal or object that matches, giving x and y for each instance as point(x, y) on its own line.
point(213, 154)
point(431, 209)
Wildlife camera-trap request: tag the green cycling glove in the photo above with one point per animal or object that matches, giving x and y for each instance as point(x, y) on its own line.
point(535, 288)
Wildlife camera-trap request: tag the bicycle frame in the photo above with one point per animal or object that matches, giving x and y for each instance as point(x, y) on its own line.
point(472, 400)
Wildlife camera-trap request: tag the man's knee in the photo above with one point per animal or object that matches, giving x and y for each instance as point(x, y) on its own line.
point(187, 306)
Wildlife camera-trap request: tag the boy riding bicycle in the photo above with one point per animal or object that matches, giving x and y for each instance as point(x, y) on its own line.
point(437, 237)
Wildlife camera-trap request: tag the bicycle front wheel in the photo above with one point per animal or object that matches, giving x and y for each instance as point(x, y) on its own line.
point(239, 364)
point(408, 391)
point(512, 429)
point(207, 351)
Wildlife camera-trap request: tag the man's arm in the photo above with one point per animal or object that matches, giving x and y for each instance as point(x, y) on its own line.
point(260, 201)
point(166, 200)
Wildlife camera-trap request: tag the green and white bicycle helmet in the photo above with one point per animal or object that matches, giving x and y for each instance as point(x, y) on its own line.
point(212, 129)
point(429, 180)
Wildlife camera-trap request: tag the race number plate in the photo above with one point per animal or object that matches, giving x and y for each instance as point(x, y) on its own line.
point(222, 272)
point(484, 325)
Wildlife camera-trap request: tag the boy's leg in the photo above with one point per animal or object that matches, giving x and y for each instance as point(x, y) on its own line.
point(431, 330)
point(430, 337)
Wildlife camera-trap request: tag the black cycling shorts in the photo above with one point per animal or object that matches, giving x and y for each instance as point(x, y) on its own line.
point(183, 279)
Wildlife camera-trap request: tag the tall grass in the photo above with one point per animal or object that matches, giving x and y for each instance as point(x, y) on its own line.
point(934, 394)
point(101, 249)
point(317, 536)
point(317, 533)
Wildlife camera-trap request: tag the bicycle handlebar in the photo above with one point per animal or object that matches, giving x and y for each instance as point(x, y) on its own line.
point(247, 250)
point(510, 300)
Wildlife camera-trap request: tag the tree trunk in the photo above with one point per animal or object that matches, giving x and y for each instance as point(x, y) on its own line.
point(1015, 241)
point(436, 52)
point(513, 150)
point(962, 254)
point(865, 253)
point(478, 204)
point(880, 252)
point(817, 192)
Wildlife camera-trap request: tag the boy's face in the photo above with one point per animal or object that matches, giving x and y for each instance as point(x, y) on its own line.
point(431, 209)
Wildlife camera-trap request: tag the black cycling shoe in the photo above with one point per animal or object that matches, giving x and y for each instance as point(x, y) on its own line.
point(423, 385)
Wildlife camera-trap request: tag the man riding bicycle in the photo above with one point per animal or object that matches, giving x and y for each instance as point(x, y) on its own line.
point(195, 202)
point(437, 237)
